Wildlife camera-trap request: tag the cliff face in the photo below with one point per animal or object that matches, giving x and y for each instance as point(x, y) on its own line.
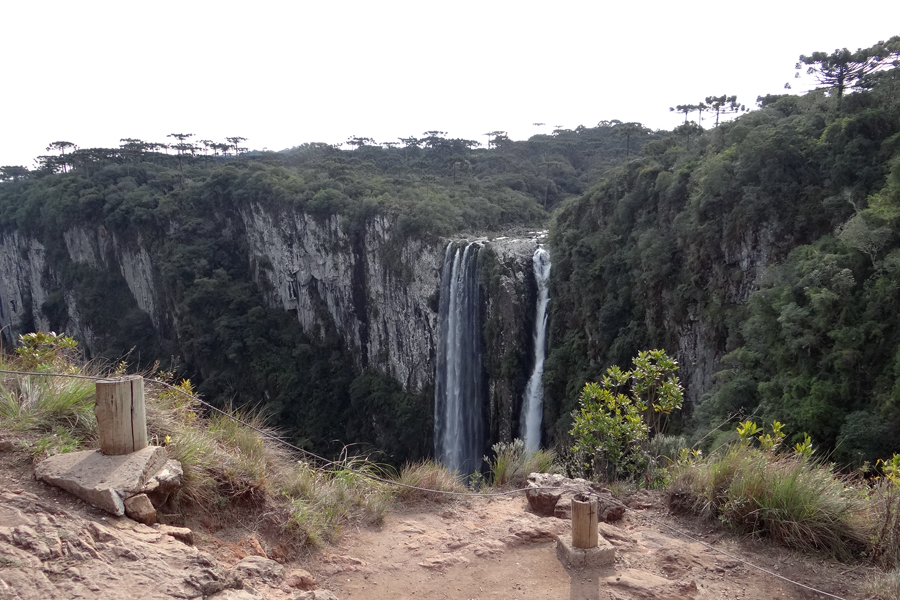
point(23, 269)
point(509, 323)
point(376, 291)
point(373, 289)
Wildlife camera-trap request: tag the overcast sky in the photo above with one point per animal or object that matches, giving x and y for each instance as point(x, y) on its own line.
point(284, 73)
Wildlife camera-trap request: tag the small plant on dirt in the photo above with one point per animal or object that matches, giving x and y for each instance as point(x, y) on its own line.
point(512, 462)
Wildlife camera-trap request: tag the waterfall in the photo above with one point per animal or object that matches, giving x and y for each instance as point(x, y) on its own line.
point(458, 405)
point(532, 406)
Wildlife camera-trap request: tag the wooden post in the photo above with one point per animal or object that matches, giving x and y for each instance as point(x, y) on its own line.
point(121, 416)
point(584, 522)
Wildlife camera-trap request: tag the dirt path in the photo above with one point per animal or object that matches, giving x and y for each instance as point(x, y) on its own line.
point(472, 549)
point(486, 549)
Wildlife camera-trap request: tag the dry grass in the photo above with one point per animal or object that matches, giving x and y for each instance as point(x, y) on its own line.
point(512, 463)
point(886, 587)
point(799, 503)
point(427, 475)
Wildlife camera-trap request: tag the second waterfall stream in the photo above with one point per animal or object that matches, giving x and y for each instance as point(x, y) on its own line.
point(532, 406)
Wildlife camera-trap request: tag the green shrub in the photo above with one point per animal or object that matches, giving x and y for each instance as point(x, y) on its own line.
point(618, 415)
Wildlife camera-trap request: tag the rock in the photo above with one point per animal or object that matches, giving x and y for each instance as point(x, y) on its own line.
point(534, 531)
point(300, 579)
point(47, 553)
point(259, 568)
point(316, 595)
point(100, 480)
point(640, 500)
point(140, 509)
point(182, 534)
point(237, 595)
point(166, 481)
point(557, 501)
point(609, 509)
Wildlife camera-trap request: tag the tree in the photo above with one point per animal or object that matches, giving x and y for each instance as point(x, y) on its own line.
point(180, 148)
point(628, 131)
point(492, 136)
point(842, 68)
point(724, 105)
point(234, 141)
point(13, 173)
point(359, 142)
point(62, 147)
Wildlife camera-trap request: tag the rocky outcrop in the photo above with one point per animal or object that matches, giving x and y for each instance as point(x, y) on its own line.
point(23, 271)
point(135, 484)
point(551, 494)
point(374, 288)
point(102, 249)
point(509, 323)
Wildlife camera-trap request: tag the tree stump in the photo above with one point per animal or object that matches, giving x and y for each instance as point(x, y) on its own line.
point(121, 416)
point(584, 522)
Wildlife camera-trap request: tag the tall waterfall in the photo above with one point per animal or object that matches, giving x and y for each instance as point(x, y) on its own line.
point(532, 407)
point(458, 405)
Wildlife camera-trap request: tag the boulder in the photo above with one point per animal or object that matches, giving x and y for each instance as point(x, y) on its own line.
point(164, 482)
point(259, 568)
point(301, 580)
point(140, 509)
point(550, 494)
point(103, 481)
point(182, 534)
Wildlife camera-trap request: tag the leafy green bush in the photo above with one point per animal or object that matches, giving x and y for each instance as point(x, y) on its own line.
point(618, 415)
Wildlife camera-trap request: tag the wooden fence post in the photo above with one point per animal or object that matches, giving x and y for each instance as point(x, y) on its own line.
point(584, 522)
point(121, 416)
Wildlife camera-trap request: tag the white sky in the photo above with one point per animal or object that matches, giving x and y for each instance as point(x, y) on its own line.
point(284, 73)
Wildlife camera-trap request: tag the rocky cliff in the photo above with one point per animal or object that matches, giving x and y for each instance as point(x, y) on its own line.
point(373, 288)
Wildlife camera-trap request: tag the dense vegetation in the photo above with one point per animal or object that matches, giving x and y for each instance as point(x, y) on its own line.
point(773, 239)
point(185, 207)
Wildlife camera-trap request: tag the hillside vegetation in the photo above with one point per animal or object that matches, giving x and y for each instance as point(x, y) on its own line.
point(774, 241)
point(185, 208)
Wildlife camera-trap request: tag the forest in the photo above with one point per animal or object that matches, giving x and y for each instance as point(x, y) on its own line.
point(775, 232)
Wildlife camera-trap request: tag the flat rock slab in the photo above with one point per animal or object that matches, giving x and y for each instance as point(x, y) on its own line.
point(604, 555)
point(103, 481)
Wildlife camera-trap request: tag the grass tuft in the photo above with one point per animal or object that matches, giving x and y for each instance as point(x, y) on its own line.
point(799, 503)
point(886, 587)
point(427, 475)
point(512, 463)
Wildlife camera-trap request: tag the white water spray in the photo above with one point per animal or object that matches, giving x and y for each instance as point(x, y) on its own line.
point(533, 405)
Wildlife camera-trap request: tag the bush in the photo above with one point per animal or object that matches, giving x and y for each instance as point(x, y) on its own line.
point(618, 415)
